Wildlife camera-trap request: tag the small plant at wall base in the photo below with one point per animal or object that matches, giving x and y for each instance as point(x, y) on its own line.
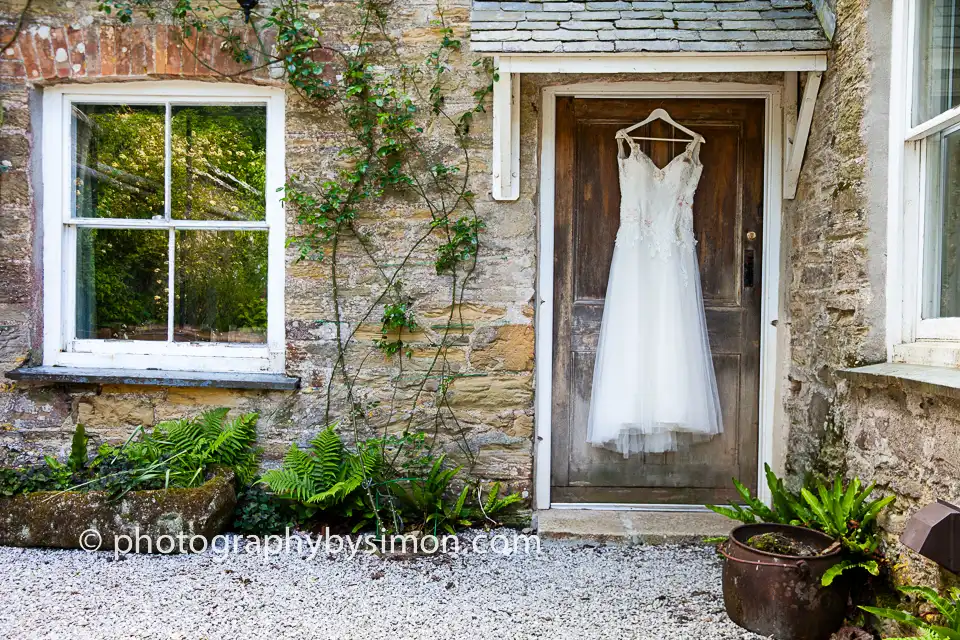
point(843, 513)
point(175, 454)
point(948, 608)
point(385, 106)
point(393, 484)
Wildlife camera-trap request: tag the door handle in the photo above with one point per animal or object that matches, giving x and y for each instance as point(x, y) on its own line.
point(749, 261)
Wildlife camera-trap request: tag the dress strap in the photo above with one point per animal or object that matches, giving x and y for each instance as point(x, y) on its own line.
point(621, 136)
point(693, 148)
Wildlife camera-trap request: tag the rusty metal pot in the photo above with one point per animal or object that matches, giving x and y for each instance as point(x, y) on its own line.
point(780, 595)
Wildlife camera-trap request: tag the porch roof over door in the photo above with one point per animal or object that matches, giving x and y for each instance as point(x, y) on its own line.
point(551, 26)
point(648, 37)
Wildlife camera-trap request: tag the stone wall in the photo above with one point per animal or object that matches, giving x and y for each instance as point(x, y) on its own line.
point(492, 400)
point(834, 240)
point(905, 437)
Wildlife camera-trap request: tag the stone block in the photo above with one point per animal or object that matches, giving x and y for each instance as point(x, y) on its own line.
point(510, 348)
point(499, 392)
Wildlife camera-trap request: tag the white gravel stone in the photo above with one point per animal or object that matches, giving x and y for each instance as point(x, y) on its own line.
point(572, 590)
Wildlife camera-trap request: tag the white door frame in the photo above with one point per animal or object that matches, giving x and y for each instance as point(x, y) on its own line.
point(770, 305)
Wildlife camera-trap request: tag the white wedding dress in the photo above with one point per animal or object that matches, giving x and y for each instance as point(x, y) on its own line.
point(654, 388)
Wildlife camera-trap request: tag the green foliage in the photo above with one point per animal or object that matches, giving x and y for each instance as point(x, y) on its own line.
point(392, 482)
point(787, 506)
point(843, 513)
point(423, 499)
point(261, 513)
point(324, 476)
point(831, 574)
point(948, 607)
point(33, 478)
point(462, 246)
point(177, 453)
point(78, 450)
point(846, 515)
point(397, 318)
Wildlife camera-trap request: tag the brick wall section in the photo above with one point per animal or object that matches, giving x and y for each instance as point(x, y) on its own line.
point(494, 398)
point(44, 54)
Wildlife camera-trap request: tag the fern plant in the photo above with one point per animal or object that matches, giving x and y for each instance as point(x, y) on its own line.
point(787, 508)
point(843, 513)
point(948, 607)
point(323, 476)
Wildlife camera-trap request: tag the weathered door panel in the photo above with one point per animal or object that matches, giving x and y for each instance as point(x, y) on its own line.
point(727, 206)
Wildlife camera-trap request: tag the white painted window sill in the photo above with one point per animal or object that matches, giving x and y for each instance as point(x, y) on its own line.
point(931, 353)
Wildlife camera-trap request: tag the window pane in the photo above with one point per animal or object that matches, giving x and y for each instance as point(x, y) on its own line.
point(220, 286)
point(938, 72)
point(118, 161)
point(219, 162)
point(942, 235)
point(122, 284)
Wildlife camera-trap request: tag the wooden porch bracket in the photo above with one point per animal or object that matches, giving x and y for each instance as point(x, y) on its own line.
point(797, 143)
point(506, 135)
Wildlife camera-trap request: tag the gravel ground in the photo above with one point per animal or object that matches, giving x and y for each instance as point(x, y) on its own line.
point(567, 590)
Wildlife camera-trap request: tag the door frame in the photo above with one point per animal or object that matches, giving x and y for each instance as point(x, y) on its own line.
point(772, 95)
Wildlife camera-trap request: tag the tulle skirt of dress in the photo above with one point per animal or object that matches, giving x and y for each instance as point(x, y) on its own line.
point(654, 386)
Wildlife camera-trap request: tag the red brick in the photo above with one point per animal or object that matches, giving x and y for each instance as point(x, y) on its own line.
point(91, 54)
point(124, 51)
point(160, 50)
point(58, 39)
point(263, 56)
point(78, 58)
point(44, 50)
point(150, 51)
point(138, 50)
point(108, 51)
point(31, 62)
point(12, 69)
point(206, 45)
point(188, 54)
point(174, 59)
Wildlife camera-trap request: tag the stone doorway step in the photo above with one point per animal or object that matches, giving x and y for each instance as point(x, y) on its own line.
point(632, 527)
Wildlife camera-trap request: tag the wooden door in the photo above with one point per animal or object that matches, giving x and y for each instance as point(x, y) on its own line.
point(727, 214)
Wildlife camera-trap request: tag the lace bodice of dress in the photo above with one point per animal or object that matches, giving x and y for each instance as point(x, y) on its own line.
point(656, 205)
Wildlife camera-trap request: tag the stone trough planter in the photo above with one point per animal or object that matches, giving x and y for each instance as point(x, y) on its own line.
point(46, 519)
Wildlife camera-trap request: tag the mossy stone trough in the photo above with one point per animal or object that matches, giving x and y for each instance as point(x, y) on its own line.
point(63, 520)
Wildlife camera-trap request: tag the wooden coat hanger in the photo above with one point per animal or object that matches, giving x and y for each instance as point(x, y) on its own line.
point(663, 115)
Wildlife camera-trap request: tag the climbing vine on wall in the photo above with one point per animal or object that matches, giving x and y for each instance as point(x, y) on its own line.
point(390, 110)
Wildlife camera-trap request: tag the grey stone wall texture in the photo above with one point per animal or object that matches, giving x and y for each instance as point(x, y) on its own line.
point(832, 280)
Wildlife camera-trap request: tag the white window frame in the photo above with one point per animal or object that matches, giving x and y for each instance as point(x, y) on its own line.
point(911, 337)
point(60, 347)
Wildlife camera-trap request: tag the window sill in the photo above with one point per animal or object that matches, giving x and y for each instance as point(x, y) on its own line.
point(155, 377)
point(917, 378)
point(931, 353)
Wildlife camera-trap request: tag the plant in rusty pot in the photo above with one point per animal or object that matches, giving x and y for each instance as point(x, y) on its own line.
point(781, 566)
